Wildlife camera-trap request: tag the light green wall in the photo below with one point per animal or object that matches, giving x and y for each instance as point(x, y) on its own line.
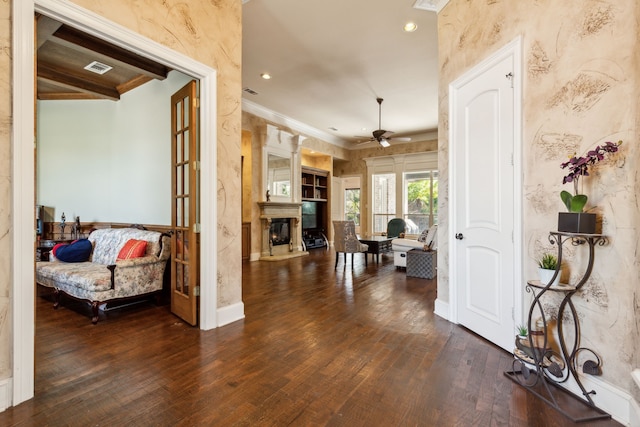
point(108, 161)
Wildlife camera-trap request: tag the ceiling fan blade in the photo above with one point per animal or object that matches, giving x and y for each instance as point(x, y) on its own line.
point(366, 141)
point(403, 139)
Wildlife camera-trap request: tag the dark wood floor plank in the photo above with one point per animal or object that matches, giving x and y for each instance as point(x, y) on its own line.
point(352, 346)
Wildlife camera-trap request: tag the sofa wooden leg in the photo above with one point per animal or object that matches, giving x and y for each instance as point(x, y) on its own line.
point(95, 307)
point(56, 299)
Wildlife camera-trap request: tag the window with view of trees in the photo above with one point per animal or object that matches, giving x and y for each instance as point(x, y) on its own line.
point(420, 200)
point(352, 205)
point(403, 186)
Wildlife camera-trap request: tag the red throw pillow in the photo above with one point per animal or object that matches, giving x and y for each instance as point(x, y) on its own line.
point(133, 249)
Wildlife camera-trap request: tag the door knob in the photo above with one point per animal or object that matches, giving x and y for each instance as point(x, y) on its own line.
point(459, 236)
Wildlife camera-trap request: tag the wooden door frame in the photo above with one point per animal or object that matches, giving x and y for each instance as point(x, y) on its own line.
point(514, 48)
point(21, 386)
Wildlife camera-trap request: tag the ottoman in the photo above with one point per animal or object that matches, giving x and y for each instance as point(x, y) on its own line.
point(421, 263)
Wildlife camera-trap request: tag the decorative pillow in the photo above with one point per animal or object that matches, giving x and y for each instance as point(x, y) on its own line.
point(76, 251)
point(423, 236)
point(133, 249)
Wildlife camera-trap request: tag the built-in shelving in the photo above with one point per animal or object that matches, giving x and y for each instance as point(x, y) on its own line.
point(315, 213)
point(315, 184)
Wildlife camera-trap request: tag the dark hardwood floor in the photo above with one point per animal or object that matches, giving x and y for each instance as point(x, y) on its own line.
point(350, 347)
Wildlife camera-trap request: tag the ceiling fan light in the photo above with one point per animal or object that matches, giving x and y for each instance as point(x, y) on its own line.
point(384, 142)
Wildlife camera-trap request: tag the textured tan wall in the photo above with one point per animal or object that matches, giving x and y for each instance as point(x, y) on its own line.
point(580, 89)
point(208, 31)
point(247, 175)
point(5, 190)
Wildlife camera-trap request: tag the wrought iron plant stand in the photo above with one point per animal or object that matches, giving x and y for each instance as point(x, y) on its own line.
point(541, 369)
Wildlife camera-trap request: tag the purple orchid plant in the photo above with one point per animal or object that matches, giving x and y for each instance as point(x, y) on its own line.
point(579, 166)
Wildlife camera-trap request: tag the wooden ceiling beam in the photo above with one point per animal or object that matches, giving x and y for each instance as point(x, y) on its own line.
point(80, 41)
point(66, 79)
point(66, 96)
point(46, 28)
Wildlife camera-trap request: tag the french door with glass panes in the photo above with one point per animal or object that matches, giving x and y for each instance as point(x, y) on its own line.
point(185, 185)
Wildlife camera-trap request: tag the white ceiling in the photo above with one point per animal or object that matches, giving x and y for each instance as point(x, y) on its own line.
point(329, 61)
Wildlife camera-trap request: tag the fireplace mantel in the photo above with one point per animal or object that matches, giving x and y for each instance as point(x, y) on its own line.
point(279, 210)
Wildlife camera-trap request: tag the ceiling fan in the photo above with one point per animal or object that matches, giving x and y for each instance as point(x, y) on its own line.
point(380, 135)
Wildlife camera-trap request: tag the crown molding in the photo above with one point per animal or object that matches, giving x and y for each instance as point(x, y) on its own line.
point(280, 119)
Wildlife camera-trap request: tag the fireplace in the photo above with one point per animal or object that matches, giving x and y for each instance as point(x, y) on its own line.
point(279, 231)
point(281, 235)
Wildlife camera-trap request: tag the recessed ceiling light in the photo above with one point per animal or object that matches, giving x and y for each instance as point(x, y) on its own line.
point(410, 27)
point(265, 76)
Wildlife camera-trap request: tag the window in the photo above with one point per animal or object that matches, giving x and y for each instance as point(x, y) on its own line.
point(420, 200)
point(414, 178)
point(352, 205)
point(384, 201)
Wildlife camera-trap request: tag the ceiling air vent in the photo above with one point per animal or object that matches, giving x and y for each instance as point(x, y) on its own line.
point(98, 67)
point(250, 91)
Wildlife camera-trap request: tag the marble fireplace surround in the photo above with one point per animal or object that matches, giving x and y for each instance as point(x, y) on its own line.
point(287, 210)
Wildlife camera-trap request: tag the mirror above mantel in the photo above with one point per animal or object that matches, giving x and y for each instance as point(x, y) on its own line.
point(279, 176)
point(281, 165)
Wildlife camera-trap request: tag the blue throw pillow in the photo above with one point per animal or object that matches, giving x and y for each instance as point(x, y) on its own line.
point(78, 251)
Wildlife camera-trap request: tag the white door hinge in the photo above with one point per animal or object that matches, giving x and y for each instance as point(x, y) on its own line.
point(196, 165)
point(196, 227)
point(196, 291)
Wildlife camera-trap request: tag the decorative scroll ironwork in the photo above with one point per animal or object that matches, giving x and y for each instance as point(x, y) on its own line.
point(536, 365)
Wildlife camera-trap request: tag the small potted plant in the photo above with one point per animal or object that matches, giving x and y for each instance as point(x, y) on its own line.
point(547, 266)
point(523, 332)
point(575, 220)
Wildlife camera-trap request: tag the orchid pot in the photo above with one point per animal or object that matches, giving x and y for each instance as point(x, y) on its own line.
point(575, 220)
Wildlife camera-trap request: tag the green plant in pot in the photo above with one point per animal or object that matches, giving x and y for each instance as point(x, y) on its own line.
point(547, 266)
point(523, 331)
point(575, 220)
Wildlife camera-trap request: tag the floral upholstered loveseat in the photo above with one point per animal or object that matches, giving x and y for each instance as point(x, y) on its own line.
point(105, 277)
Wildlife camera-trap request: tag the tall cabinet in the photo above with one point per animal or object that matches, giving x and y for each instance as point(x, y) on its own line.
point(315, 213)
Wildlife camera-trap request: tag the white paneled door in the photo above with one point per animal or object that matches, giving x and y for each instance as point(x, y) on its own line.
point(483, 203)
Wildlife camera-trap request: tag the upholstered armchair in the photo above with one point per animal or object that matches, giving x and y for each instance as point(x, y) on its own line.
point(395, 227)
point(345, 241)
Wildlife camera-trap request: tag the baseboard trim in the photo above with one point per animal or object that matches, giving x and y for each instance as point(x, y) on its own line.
point(634, 414)
point(616, 402)
point(6, 390)
point(230, 313)
point(441, 308)
point(634, 408)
